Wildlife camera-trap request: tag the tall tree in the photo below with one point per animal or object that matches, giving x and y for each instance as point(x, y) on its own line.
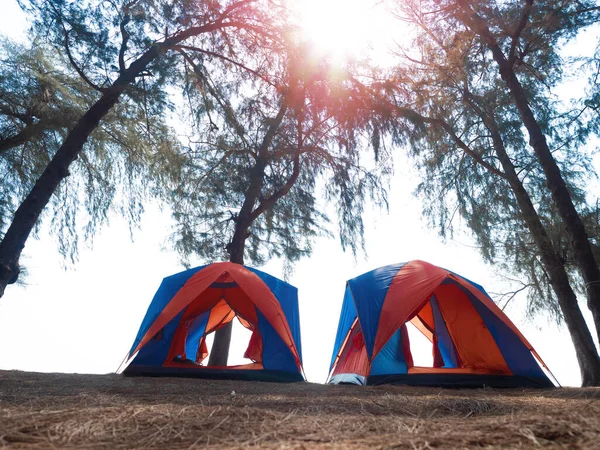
point(459, 180)
point(40, 99)
point(536, 34)
point(265, 148)
point(474, 163)
point(114, 47)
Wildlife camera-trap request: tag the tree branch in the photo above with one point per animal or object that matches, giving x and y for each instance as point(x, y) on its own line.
point(228, 110)
point(70, 55)
point(26, 134)
point(125, 40)
point(232, 61)
point(517, 33)
point(7, 111)
point(511, 294)
point(271, 200)
point(273, 127)
point(415, 116)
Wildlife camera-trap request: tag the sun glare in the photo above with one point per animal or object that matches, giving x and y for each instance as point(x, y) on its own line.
point(342, 29)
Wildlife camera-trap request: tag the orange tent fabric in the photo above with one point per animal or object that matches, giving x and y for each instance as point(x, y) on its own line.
point(470, 335)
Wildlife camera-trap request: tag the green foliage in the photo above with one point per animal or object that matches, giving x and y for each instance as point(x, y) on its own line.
point(41, 98)
point(132, 151)
point(306, 125)
point(450, 76)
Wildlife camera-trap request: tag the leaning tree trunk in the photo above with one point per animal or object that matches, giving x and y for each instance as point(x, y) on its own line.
point(585, 349)
point(582, 251)
point(586, 352)
point(30, 210)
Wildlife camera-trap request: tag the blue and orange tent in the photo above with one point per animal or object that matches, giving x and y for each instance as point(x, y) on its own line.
point(189, 305)
point(473, 342)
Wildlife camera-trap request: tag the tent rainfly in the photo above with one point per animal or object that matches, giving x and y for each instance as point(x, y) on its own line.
point(189, 305)
point(473, 342)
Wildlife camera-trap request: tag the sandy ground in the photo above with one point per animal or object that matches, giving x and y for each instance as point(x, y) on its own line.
point(110, 411)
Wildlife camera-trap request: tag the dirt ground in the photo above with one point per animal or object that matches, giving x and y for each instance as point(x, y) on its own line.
point(110, 411)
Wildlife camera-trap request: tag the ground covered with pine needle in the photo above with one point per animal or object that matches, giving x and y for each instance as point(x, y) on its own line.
point(112, 412)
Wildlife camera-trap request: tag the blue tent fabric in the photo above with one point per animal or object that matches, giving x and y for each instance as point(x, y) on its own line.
point(347, 318)
point(348, 378)
point(156, 350)
point(278, 360)
point(195, 332)
point(391, 357)
point(288, 299)
point(369, 291)
point(168, 288)
point(445, 344)
point(276, 355)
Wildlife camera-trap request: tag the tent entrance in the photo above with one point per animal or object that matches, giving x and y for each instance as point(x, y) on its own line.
point(223, 302)
point(431, 344)
point(240, 342)
point(421, 348)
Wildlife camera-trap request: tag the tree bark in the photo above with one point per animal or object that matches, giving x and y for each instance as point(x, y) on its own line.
point(585, 349)
point(219, 353)
point(220, 349)
point(31, 208)
point(582, 251)
point(29, 131)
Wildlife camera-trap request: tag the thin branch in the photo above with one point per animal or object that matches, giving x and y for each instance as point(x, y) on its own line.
point(232, 61)
point(270, 201)
point(228, 110)
point(70, 55)
point(125, 40)
point(511, 295)
point(209, 171)
point(517, 33)
point(412, 115)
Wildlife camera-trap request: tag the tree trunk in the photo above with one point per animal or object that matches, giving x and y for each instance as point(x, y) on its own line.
point(219, 353)
point(220, 349)
point(582, 251)
point(585, 349)
point(30, 210)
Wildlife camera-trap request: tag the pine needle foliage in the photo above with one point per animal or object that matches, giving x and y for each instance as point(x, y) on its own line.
point(447, 76)
point(289, 138)
point(41, 99)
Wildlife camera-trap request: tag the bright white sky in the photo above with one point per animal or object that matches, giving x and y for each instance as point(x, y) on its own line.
point(84, 319)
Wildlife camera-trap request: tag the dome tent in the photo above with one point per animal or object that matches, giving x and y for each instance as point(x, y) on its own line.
point(189, 305)
point(473, 342)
